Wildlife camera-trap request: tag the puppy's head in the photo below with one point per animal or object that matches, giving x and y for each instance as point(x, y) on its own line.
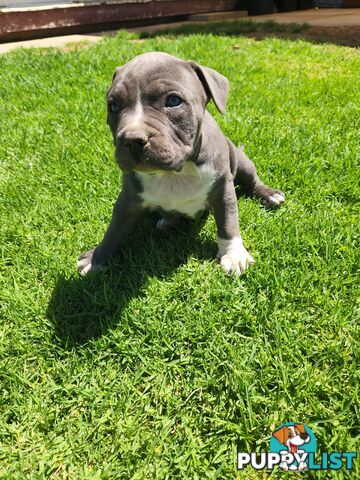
point(292, 436)
point(156, 104)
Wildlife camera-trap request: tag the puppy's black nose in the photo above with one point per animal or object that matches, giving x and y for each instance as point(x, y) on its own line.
point(134, 140)
point(304, 436)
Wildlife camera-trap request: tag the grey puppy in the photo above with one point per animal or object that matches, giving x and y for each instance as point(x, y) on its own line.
point(174, 157)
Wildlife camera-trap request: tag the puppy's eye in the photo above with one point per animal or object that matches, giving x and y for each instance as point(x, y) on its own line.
point(173, 101)
point(113, 107)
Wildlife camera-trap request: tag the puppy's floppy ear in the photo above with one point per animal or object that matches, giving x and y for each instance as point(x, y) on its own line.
point(216, 85)
point(117, 71)
point(300, 427)
point(281, 435)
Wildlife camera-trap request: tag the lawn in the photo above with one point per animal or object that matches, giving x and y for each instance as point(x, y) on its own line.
point(163, 367)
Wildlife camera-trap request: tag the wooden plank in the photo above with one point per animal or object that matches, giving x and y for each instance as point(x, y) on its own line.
point(351, 4)
point(217, 16)
point(86, 15)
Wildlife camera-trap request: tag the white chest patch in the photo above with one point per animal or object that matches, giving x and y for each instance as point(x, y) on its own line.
point(185, 192)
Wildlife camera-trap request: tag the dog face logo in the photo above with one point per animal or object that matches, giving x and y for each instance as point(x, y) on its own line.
point(293, 441)
point(293, 449)
point(292, 436)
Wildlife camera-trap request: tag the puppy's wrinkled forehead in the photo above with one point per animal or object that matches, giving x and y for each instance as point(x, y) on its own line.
point(156, 73)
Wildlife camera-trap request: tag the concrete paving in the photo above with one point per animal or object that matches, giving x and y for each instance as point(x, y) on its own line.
point(57, 42)
point(321, 17)
point(326, 17)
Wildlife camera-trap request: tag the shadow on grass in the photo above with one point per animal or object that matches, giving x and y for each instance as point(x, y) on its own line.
point(86, 308)
point(347, 36)
point(232, 27)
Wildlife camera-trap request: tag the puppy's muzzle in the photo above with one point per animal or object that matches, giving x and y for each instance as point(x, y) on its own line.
point(133, 140)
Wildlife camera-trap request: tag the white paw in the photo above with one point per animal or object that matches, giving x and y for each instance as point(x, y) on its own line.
point(302, 466)
point(234, 258)
point(284, 466)
point(276, 199)
point(163, 224)
point(84, 264)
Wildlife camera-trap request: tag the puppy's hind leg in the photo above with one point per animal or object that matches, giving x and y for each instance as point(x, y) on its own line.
point(245, 176)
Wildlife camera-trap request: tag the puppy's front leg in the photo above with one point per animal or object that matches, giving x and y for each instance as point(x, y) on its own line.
point(125, 213)
point(233, 256)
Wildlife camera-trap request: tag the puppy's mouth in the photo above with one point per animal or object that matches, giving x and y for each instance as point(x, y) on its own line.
point(293, 448)
point(146, 159)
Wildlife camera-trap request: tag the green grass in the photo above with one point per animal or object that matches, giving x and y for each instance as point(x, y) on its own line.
point(163, 367)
